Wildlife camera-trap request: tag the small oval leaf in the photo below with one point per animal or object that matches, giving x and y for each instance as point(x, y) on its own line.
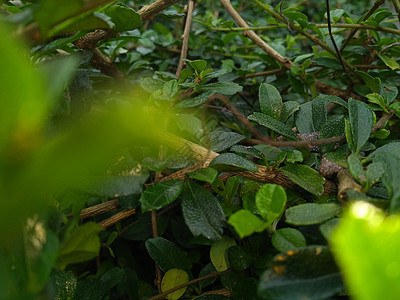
point(226, 161)
point(218, 253)
point(174, 278)
point(286, 239)
point(311, 213)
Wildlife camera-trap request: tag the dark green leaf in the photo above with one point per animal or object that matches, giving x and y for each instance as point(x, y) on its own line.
point(288, 109)
point(391, 165)
point(311, 213)
point(167, 255)
point(328, 62)
point(160, 194)
point(328, 227)
point(273, 124)
point(370, 81)
point(222, 140)
point(238, 258)
point(270, 101)
point(361, 120)
point(206, 174)
point(224, 88)
point(225, 160)
point(124, 17)
point(64, 283)
point(202, 212)
point(306, 177)
point(388, 92)
point(197, 65)
point(305, 273)
point(286, 239)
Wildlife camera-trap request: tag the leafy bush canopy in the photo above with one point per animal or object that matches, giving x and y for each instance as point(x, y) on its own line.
point(199, 149)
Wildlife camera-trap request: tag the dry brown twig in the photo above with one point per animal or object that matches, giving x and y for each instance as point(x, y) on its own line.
point(185, 37)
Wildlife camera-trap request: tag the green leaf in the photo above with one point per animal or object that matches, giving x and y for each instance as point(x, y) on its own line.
point(333, 99)
point(390, 148)
point(218, 253)
point(356, 169)
point(286, 239)
point(238, 258)
point(391, 165)
point(124, 17)
point(312, 115)
point(377, 99)
point(167, 255)
point(222, 140)
point(160, 194)
point(306, 177)
point(116, 186)
point(334, 126)
point(388, 92)
point(371, 82)
point(288, 109)
point(273, 124)
point(206, 174)
point(361, 119)
point(366, 247)
point(389, 61)
point(224, 88)
point(328, 62)
point(329, 227)
point(81, 245)
point(245, 223)
point(173, 278)
point(270, 101)
point(305, 273)
point(197, 65)
point(311, 213)
point(270, 201)
point(231, 160)
point(202, 212)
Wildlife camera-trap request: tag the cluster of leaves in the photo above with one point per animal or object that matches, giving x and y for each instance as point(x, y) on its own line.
point(259, 220)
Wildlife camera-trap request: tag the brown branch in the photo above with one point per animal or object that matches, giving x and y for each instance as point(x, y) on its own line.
point(354, 30)
point(185, 37)
point(382, 121)
point(148, 12)
point(163, 295)
point(99, 209)
point(117, 217)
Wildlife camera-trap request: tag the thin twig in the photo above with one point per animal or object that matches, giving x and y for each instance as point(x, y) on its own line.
point(367, 15)
point(339, 56)
point(254, 37)
point(265, 73)
point(186, 34)
point(99, 209)
point(117, 217)
point(163, 295)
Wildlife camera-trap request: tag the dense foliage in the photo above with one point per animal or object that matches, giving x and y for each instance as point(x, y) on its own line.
point(157, 149)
